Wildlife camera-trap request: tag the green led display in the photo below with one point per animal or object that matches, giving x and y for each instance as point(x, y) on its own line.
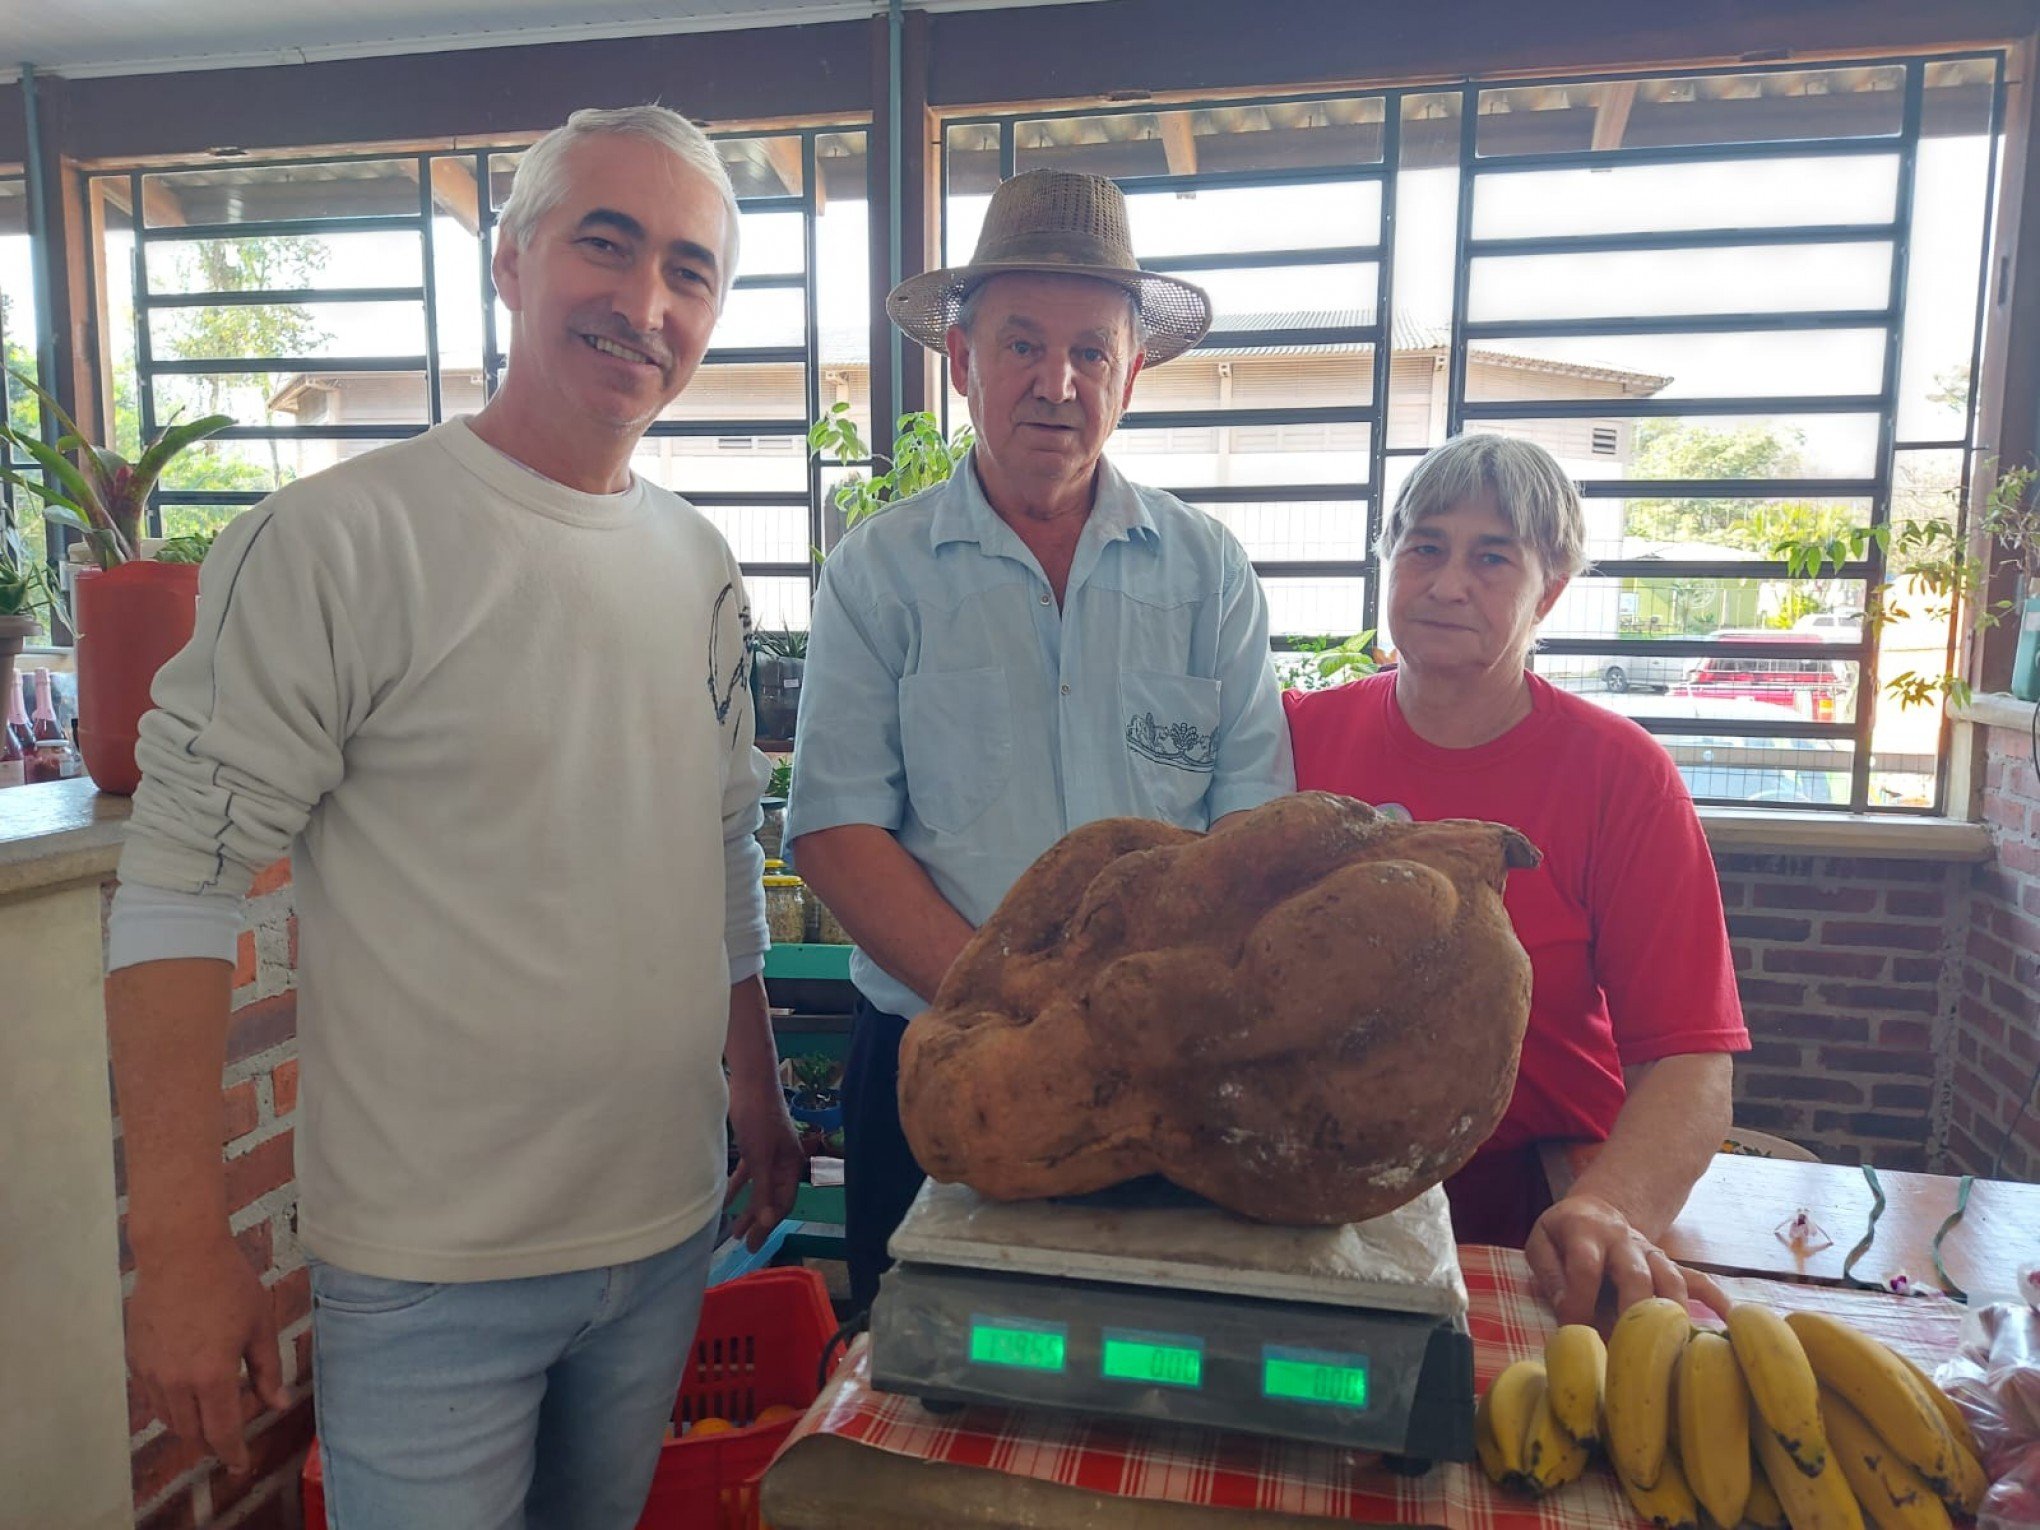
point(1314, 1376)
point(1155, 1359)
point(1027, 1349)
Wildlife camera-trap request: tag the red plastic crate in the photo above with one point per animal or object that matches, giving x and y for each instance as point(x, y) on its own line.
point(758, 1345)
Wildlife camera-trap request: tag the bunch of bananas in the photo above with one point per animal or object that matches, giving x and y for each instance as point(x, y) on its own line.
point(1795, 1421)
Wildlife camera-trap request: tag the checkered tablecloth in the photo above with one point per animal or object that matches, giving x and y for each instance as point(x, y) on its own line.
point(1184, 1465)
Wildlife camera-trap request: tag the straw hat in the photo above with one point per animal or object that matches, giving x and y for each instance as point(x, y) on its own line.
point(1061, 224)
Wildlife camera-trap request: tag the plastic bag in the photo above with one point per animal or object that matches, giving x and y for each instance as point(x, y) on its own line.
point(1995, 1381)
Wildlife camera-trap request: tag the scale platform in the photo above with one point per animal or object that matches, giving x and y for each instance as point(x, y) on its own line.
point(1168, 1308)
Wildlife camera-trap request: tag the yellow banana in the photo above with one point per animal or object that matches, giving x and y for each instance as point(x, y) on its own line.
point(1668, 1503)
point(1714, 1426)
point(1958, 1426)
point(1970, 1482)
point(1510, 1401)
point(1876, 1383)
point(1819, 1502)
point(1891, 1493)
point(1484, 1443)
point(1763, 1511)
point(1641, 1354)
point(1551, 1457)
point(1782, 1388)
point(1576, 1371)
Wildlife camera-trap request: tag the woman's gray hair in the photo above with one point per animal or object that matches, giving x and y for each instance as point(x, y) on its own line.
point(1522, 480)
point(540, 184)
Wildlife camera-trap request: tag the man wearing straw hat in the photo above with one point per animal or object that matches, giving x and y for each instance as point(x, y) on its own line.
point(1035, 644)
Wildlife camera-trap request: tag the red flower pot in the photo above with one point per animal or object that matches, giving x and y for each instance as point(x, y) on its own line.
point(130, 620)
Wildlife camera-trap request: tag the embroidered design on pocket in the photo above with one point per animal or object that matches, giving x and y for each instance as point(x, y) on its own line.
point(1182, 745)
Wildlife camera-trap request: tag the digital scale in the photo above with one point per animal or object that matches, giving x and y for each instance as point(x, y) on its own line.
point(1183, 1313)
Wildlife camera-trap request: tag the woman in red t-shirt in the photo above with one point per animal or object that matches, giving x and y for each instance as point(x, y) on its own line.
point(1633, 1008)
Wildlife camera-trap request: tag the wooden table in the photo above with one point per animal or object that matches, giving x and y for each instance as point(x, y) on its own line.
point(1730, 1224)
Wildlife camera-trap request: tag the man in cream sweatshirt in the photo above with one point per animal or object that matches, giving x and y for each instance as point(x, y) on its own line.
point(487, 689)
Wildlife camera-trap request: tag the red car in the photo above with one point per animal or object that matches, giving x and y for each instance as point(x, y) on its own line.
point(1810, 685)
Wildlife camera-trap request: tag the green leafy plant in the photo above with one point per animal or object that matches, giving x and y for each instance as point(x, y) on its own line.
point(25, 587)
point(783, 645)
point(1934, 556)
point(188, 548)
point(102, 494)
point(781, 780)
point(1318, 663)
point(920, 457)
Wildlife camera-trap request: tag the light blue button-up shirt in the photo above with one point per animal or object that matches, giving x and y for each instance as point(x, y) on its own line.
point(948, 699)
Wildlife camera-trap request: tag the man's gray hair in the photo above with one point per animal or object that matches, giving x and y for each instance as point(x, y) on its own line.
point(967, 310)
point(1522, 480)
point(541, 181)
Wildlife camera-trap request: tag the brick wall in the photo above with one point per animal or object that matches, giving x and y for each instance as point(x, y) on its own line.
point(176, 1484)
point(1844, 967)
point(1997, 1010)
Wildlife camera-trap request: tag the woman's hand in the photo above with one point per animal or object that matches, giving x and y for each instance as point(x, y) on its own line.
point(1584, 1243)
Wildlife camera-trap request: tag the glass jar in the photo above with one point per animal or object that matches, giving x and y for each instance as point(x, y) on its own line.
point(786, 910)
point(823, 928)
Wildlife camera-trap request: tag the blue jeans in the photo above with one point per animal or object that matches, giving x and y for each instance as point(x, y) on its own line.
point(501, 1404)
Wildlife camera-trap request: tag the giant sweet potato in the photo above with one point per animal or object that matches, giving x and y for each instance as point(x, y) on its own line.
point(1310, 1016)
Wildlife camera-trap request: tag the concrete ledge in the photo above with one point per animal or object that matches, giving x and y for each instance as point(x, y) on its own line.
point(58, 833)
point(1996, 709)
point(1868, 836)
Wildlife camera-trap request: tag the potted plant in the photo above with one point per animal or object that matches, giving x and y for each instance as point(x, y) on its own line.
point(1317, 663)
point(24, 591)
point(812, 1095)
point(130, 612)
point(2012, 517)
point(778, 660)
point(920, 458)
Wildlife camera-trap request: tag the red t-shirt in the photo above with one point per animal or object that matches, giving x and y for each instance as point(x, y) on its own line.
point(1629, 954)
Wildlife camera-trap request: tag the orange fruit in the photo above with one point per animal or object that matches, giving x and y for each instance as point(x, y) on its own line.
point(777, 1413)
point(710, 1425)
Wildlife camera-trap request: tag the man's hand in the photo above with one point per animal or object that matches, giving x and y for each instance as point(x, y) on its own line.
point(772, 1159)
point(195, 1317)
point(1584, 1242)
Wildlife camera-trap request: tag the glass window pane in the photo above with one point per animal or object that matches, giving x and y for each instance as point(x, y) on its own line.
point(1288, 297)
point(1672, 607)
point(763, 167)
point(1771, 363)
point(779, 605)
point(1253, 135)
point(1310, 607)
point(1742, 446)
point(258, 330)
point(1295, 531)
point(1716, 530)
point(1265, 377)
point(295, 398)
point(296, 261)
point(843, 298)
point(1740, 279)
point(1235, 219)
point(743, 391)
point(1630, 199)
point(1179, 457)
point(690, 465)
point(762, 316)
point(771, 244)
point(1951, 204)
point(259, 193)
point(1850, 101)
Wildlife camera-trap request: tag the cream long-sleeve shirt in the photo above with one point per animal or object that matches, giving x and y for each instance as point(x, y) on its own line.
point(504, 732)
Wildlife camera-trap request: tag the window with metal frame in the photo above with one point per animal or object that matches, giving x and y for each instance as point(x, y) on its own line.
point(1737, 304)
point(332, 305)
point(20, 508)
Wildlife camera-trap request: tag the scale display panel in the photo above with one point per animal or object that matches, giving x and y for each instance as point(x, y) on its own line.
point(1314, 1376)
point(1021, 1343)
point(1151, 1359)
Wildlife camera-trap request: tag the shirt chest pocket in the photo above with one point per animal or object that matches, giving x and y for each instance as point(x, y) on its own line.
point(1170, 725)
point(956, 739)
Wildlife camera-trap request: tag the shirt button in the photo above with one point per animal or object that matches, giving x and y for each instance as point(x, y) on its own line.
point(1047, 600)
point(1066, 690)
